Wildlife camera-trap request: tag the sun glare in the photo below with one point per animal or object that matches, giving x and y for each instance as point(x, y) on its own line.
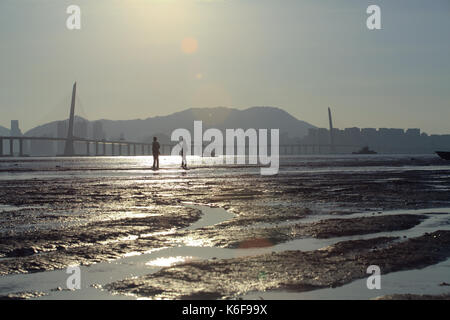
point(167, 262)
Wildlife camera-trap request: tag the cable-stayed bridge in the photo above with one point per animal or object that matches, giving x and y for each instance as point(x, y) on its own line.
point(94, 147)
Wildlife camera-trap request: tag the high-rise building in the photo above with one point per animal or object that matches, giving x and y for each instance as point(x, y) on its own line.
point(413, 132)
point(352, 136)
point(15, 130)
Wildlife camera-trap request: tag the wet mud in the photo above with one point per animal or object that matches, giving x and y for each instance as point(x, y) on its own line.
point(291, 270)
point(51, 223)
point(415, 297)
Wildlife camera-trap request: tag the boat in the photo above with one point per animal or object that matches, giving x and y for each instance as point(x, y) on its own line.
point(365, 150)
point(444, 154)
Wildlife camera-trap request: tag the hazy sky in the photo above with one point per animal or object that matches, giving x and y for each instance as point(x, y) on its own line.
point(141, 58)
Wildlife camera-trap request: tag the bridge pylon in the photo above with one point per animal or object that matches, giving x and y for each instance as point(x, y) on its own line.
point(69, 149)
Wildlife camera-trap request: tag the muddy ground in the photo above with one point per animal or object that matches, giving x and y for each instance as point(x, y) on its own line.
point(290, 270)
point(55, 222)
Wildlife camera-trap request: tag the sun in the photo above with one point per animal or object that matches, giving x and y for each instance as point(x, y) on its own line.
point(189, 45)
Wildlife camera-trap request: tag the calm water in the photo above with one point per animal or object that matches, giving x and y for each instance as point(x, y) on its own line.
point(28, 168)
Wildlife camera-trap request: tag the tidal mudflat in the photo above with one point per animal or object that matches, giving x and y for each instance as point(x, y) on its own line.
point(220, 232)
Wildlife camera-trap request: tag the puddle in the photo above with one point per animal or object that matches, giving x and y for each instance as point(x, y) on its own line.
point(135, 264)
point(436, 221)
point(422, 281)
point(9, 208)
point(211, 216)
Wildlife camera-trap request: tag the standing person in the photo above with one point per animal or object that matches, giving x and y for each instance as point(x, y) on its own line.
point(155, 150)
point(183, 153)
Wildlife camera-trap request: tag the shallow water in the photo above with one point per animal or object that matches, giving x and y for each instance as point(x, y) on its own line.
point(135, 265)
point(131, 266)
point(125, 170)
point(85, 167)
point(422, 281)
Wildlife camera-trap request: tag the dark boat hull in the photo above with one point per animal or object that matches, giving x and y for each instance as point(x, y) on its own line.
point(365, 150)
point(368, 152)
point(443, 154)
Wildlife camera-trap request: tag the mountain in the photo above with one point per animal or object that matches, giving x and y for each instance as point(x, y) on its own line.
point(219, 117)
point(4, 131)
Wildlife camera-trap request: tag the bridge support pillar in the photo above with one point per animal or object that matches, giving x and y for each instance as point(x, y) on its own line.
point(142, 149)
point(1, 147)
point(104, 149)
point(11, 147)
point(128, 149)
point(120, 149)
point(87, 148)
point(20, 147)
point(134, 149)
point(96, 149)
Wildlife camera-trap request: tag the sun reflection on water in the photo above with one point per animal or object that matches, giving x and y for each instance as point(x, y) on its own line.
point(193, 242)
point(167, 262)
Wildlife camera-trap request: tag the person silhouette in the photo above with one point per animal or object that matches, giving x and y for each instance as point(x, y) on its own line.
point(156, 153)
point(183, 153)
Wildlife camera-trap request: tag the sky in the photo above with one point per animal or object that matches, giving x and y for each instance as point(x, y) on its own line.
point(142, 58)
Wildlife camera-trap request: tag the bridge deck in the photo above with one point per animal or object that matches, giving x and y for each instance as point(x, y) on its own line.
point(133, 148)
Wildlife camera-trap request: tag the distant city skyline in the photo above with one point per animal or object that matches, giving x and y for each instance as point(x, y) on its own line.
point(316, 141)
point(139, 59)
point(98, 133)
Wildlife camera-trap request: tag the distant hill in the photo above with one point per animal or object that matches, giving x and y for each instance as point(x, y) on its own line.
point(220, 118)
point(4, 131)
point(45, 130)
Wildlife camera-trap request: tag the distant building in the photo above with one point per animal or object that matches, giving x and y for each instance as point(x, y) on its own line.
point(352, 136)
point(383, 140)
point(369, 136)
point(369, 131)
point(16, 132)
point(391, 132)
point(97, 131)
point(413, 132)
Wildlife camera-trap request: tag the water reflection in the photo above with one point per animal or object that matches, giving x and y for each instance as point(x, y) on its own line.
point(168, 261)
